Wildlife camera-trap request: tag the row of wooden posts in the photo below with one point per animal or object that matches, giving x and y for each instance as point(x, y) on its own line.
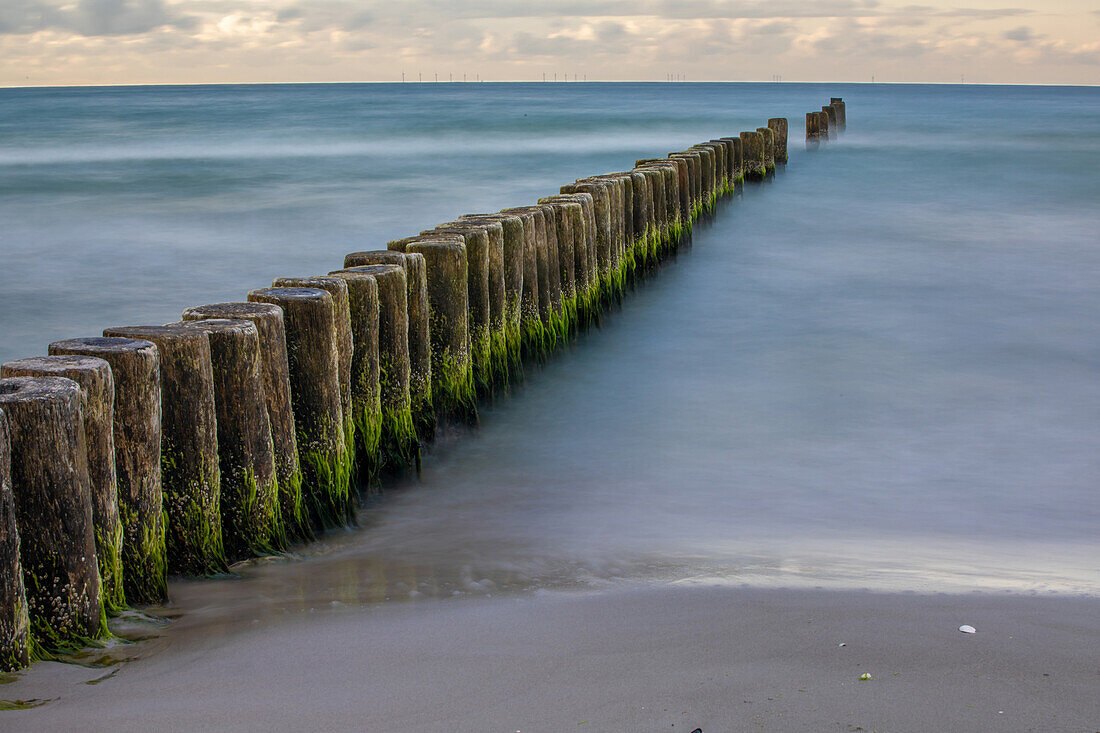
point(247, 427)
point(826, 124)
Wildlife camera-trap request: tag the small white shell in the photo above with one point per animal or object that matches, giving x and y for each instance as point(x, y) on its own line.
point(968, 629)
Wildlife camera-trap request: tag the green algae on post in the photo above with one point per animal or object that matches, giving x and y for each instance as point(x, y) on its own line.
point(399, 443)
point(338, 289)
point(94, 377)
point(778, 126)
point(251, 525)
point(53, 510)
point(534, 339)
point(190, 476)
point(480, 322)
point(14, 623)
point(768, 137)
point(268, 319)
point(452, 372)
point(308, 316)
point(420, 350)
point(752, 144)
point(135, 369)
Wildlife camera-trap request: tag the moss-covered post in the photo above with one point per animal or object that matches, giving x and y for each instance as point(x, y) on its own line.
point(53, 510)
point(838, 109)
point(753, 146)
point(647, 209)
point(251, 525)
point(399, 442)
point(94, 377)
point(498, 337)
point(778, 126)
point(190, 476)
point(452, 371)
point(564, 259)
point(577, 208)
point(695, 183)
point(314, 365)
point(513, 241)
point(136, 437)
point(535, 304)
point(721, 166)
point(345, 346)
point(738, 161)
point(768, 141)
point(420, 349)
point(639, 219)
point(480, 320)
point(830, 114)
point(673, 213)
point(601, 209)
point(662, 224)
point(14, 625)
point(622, 220)
point(708, 170)
point(280, 411)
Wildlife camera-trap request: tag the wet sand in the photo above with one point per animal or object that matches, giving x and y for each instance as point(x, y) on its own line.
point(646, 658)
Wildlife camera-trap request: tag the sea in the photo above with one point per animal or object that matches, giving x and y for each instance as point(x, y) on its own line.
point(878, 370)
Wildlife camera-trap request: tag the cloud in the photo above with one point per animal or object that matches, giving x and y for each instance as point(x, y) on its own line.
point(90, 17)
point(1022, 34)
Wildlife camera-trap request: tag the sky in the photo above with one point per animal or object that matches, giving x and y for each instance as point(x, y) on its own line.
point(46, 42)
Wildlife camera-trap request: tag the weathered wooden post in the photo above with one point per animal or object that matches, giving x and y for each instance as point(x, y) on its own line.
point(399, 441)
point(480, 318)
point(586, 289)
point(452, 371)
point(778, 127)
point(738, 162)
point(314, 365)
point(280, 412)
point(622, 221)
point(663, 227)
point(136, 434)
point(640, 218)
point(721, 166)
point(557, 325)
point(838, 108)
point(513, 243)
point(420, 349)
point(671, 173)
point(601, 198)
point(695, 183)
point(94, 377)
point(813, 133)
point(565, 275)
point(190, 476)
point(53, 510)
point(251, 525)
point(650, 208)
point(14, 625)
point(535, 306)
point(830, 114)
point(710, 194)
point(345, 346)
point(752, 143)
point(768, 138)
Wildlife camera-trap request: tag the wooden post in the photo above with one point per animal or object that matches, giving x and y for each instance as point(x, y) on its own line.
point(695, 181)
point(513, 241)
point(752, 144)
point(94, 377)
point(708, 167)
point(838, 107)
point(778, 126)
point(497, 375)
point(14, 623)
point(399, 442)
point(830, 114)
point(53, 510)
point(480, 317)
point(308, 316)
point(601, 209)
point(190, 477)
point(251, 525)
point(452, 371)
point(280, 411)
point(535, 304)
point(738, 163)
point(345, 346)
point(563, 213)
point(768, 138)
point(579, 208)
point(420, 349)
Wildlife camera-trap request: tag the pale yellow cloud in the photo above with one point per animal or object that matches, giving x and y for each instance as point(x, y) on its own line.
point(151, 41)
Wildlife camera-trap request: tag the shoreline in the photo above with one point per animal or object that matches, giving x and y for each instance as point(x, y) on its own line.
point(660, 657)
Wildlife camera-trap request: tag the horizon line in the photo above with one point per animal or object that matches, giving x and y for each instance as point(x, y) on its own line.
point(536, 81)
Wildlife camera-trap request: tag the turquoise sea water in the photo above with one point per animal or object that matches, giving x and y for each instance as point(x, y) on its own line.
point(880, 370)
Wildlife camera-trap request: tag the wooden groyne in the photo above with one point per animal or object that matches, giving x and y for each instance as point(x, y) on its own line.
point(249, 426)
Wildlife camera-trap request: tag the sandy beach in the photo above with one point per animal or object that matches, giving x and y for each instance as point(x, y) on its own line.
point(640, 659)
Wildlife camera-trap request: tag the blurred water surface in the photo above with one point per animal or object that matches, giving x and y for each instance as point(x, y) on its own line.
point(881, 370)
